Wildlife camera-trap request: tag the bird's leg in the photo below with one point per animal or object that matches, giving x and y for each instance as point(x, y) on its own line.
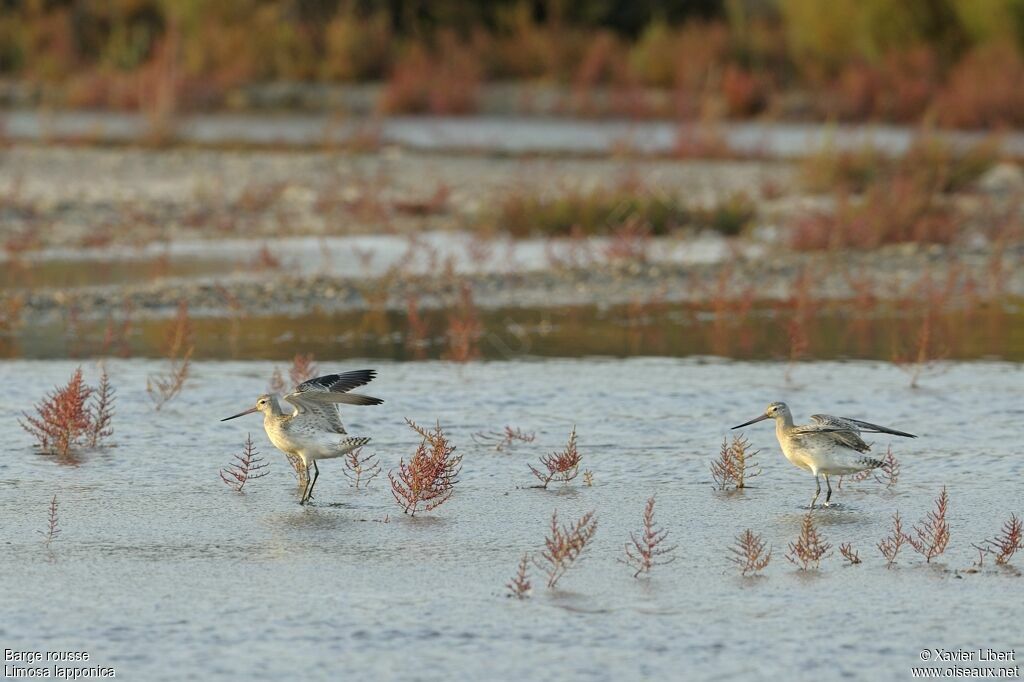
point(828, 495)
point(316, 475)
point(306, 488)
point(817, 491)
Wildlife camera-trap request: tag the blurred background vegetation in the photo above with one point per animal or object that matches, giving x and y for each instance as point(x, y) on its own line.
point(958, 62)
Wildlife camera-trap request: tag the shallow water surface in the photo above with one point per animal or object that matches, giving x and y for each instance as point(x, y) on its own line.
point(640, 328)
point(481, 133)
point(363, 255)
point(164, 573)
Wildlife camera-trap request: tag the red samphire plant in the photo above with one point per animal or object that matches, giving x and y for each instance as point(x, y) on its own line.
point(71, 416)
point(561, 466)
point(428, 479)
point(931, 536)
point(1006, 544)
point(646, 550)
point(564, 545)
point(750, 552)
point(248, 466)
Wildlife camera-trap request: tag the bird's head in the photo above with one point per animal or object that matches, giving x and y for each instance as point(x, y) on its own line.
point(266, 404)
point(773, 411)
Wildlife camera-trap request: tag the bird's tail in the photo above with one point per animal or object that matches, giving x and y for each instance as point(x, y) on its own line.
point(349, 444)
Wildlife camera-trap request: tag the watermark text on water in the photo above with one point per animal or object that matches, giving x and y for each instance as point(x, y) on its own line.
point(61, 665)
point(946, 663)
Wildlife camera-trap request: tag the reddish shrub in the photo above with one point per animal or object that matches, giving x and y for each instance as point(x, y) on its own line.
point(70, 417)
point(430, 476)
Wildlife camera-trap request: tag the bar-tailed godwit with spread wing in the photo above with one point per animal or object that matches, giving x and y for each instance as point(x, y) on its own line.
point(830, 446)
point(314, 430)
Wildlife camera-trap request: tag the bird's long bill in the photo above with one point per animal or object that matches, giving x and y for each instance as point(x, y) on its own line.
point(752, 421)
point(241, 414)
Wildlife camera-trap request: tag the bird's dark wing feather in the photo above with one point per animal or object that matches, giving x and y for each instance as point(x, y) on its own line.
point(337, 383)
point(875, 428)
point(318, 398)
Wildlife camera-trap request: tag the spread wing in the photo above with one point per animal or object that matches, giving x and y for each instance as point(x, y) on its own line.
point(318, 399)
point(324, 414)
point(334, 388)
point(844, 431)
point(862, 426)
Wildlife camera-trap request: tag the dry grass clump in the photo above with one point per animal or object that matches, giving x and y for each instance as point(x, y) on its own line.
point(178, 350)
point(890, 545)
point(606, 211)
point(809, 548)
point(1009, 541)
point(564, 545)
point(646, 549)
point(561, 466)
point(896, 212)
point(360, 469)
point(735, 464)
point(931, 161)
point(248, 466)
point(750, 553)
point(845, 59)
point(983, 89)
point(356, 46)
point(444, 80)
point(931, 536)
point(428, 480)
point(75, 415)
point(883, 200)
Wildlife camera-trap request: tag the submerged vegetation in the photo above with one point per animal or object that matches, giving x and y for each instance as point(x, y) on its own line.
point(1009, 541)
point(248, 466)
point(890, 545)
point(735, 464)
point(520, 585)
point(73, 416)
point(561, 466)
point(930, 537)
point(647, 549)
point(564, 546)
point(53, 523)
point(361, 469)
point(428, 480)
point(750, 553)
point(807, 551)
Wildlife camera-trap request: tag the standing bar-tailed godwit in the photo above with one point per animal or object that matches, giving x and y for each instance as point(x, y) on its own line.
point(312, 431)
point(829, 446)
